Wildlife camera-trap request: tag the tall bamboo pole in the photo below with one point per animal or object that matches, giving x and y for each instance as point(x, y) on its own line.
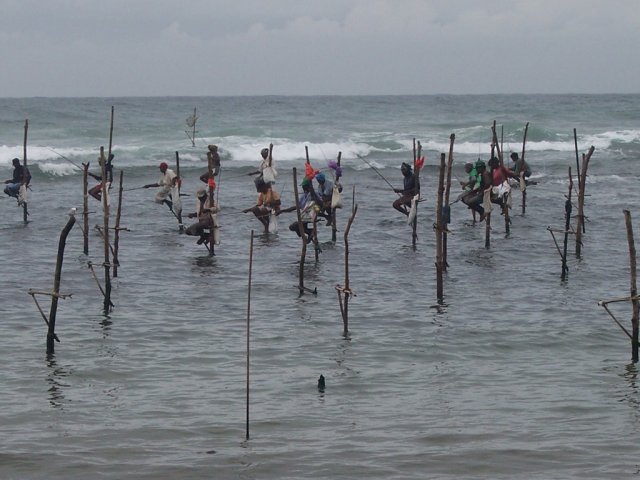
point(248, 328)
point(334, 227)
point(179, 215)
point(25, 211)
point(107, 253)
point(85, 207)
point(344, 305)
point(116, 234)
point(416, 171)
point(567, 227)
point(634, 288)
point(524, 192)
point(51, 333)
point(110, 170)
point(447, 193)
point(582, 184)
point(210, 183)
point(303, 252)
point(439, 231)
point(575, 141)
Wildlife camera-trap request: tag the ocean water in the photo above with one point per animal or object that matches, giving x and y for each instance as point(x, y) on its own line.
point(517, 375)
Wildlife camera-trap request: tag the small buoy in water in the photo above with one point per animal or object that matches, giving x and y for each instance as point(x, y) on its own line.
point(321, 383)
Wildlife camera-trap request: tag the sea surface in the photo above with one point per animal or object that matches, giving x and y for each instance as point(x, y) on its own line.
point(515, 375)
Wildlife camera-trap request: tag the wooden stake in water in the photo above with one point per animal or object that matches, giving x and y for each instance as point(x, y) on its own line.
point(334, 227)
point(303, 237)
point(25, 211)
point(105, 234)
point(447, 193)
point(51, 333)
point(439, 232)
point(582, 184)
point(524, 192)
point(567, 227)
point(346, 290)
point(179, 215)
point(417, 149)
point(85, 207)
point(116, 234)
point(634, 288)
point(248, 326)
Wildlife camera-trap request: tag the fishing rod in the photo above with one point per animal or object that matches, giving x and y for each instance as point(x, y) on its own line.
point(378, 172)
point(70, 161)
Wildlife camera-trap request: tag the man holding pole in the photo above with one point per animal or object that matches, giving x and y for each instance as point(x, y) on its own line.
point(167, 182)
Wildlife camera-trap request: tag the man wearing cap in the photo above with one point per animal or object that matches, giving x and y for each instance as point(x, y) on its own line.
point(205, 209)
point(168, 180)
point(407, 193)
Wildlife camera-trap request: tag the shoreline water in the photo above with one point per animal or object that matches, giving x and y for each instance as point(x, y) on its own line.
point(518, 375)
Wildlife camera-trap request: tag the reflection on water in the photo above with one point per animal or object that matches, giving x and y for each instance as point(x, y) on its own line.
point(630, 394)
point(56, 385)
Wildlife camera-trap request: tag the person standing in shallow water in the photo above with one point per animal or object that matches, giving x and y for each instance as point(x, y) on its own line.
point(168, 180)
point(407, 192)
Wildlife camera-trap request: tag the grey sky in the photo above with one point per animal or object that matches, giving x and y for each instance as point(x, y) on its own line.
point(300, 47)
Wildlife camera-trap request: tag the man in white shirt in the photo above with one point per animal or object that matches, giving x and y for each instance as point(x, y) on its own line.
point(167, 182)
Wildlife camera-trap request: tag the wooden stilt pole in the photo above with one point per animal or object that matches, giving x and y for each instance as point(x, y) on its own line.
point(334, 227)
point(25, 210)
point(414, 226)
point(116, 234)
point(346, 291)
point(211, 184)
point(575, 141)
point(51, 333)
point(105, 234)
point(567, 227)
point(582, 184)
point(179, 215)
point(524, 192)
point(504, 200)
point(439, 232)
point(303, 237)
point(85, 207)
point(634, 288)
point(447, 193)
point(248, 329)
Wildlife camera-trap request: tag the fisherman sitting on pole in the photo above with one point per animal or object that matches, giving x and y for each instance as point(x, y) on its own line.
point(168, 180)
point(205, 209)
point(403, 202)
point(325, 193)
point(95, 191)
point(268, 201)
point(21, 176)
point(307, 203)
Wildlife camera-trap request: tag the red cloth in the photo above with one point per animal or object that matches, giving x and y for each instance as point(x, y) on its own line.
point(309, 172)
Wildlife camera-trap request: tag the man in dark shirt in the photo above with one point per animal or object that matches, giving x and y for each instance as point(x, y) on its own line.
point(403, 202)
point(20, 175)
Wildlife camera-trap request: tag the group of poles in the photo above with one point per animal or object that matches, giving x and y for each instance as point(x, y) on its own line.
point(110, 247)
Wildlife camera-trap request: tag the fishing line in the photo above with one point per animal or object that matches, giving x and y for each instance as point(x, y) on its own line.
point(70, 161)
point(378, 172)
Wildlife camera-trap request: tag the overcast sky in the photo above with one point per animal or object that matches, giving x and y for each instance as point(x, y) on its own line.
point(319, 47)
